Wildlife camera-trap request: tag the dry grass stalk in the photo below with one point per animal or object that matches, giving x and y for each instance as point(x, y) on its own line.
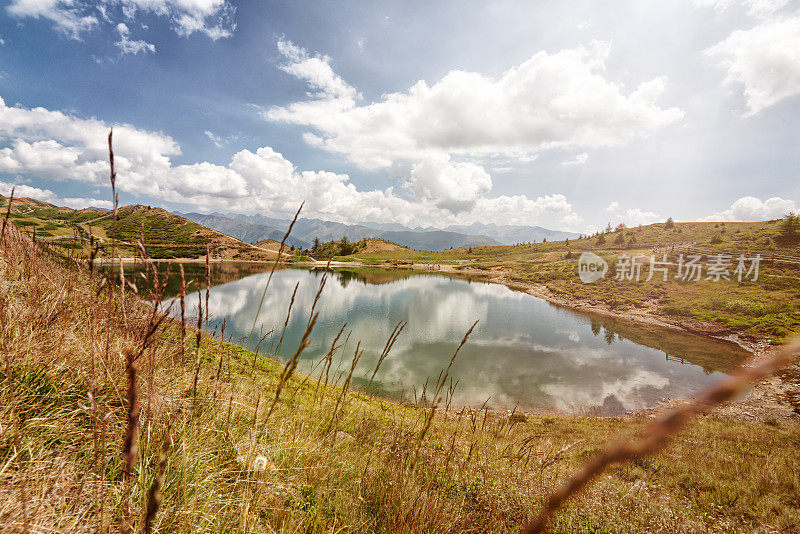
point(328, 361)
point(93, 250)
point(129, 443)
point(198, 338)
point(286, 322)
point(122, 289)
point(435, 401)
point(23, 493)
point(446, 373)
point(182, 293)
point(271, 272)
point(660, 433)
point(386, 349)
point(208, 280)
point(258, 345)
point(228, 415)
point(345, 386)
point(154, 495)
point(8, 213)
point(291, 365)
point(321, 287)
point(114, 195)
point(130, 448)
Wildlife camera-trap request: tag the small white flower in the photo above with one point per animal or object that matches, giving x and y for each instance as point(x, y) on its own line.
point(262, 463)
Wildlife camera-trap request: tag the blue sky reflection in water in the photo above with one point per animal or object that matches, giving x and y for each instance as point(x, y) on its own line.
point(523, 352)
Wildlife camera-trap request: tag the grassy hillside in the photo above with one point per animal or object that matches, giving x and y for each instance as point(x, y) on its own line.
point(769, 306)
point(345, 250)
point(269, 244)
point(166, 235)
point(223, 456)
point(373, 246)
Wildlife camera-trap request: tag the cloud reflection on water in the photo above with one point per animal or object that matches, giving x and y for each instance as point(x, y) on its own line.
point(523, 352)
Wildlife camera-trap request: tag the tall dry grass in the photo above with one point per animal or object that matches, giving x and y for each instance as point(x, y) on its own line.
point(341, 461)
point(102, 428)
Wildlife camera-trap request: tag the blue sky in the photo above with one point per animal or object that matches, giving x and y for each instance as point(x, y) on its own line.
point(567, 115)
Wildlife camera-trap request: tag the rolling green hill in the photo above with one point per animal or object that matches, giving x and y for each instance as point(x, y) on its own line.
point(166, 235)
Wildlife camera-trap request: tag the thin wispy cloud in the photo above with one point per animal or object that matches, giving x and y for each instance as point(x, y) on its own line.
point(76, 18)
point(132, 46)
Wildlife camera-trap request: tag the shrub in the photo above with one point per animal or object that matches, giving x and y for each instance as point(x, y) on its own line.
point(790, 229)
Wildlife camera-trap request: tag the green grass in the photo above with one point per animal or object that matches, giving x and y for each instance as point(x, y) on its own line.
point(159, 227)
point(167, 236)
point(768, 307)
point(328, 459)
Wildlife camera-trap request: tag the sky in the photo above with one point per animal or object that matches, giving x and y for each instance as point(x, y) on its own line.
point(567, 115)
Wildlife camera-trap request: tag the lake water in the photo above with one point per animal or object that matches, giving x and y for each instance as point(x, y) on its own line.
point(524, 351)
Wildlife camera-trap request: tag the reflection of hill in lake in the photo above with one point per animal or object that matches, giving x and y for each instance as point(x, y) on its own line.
point(524, 351)
point(680, 347)
point(374, 276)
point(377, 275)
point(225, 272)
point(194, 274)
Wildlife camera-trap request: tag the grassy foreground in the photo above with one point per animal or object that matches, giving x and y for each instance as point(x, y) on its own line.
point(325, 458)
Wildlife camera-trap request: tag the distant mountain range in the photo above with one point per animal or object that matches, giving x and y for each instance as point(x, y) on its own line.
point(246, 231)
point(252, 228)
point(513, 234)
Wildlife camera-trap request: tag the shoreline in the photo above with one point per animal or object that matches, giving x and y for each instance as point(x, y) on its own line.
point(765, 400)
point(753, 343)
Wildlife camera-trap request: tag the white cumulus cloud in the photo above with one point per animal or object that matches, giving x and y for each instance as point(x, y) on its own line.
point(765, 60)
point(64, 14)
point(55, 146)
point(551, 100)
point(46, 195)
point(632, 216)
point(636, 216)
point(754, 209)
point(315, 70)
point(452, 186)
